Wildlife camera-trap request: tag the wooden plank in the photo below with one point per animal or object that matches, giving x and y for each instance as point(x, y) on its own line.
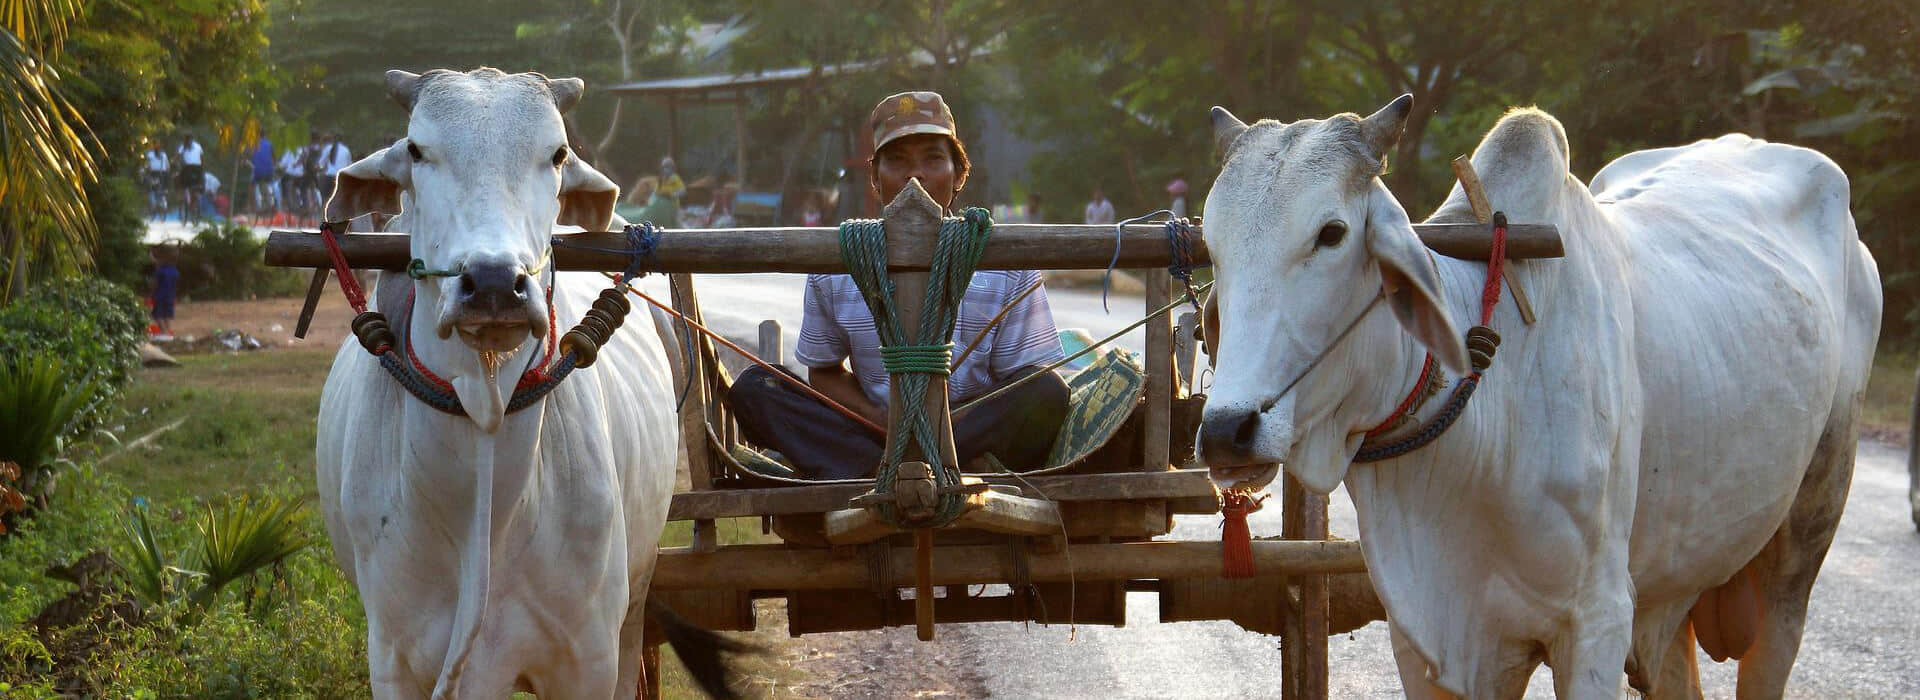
point(1154, 440)
point(1483, 211)
point(790, 500)
point(817, 249)
point(775, 567)
point(1313, 604)
point(693, 413)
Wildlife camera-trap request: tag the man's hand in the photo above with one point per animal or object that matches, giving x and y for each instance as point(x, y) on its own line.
point(844, 388)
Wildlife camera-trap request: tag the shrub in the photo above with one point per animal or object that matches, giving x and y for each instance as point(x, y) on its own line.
point(92, 326)
point(119, 210)
point(37, 403)
point(225, 261)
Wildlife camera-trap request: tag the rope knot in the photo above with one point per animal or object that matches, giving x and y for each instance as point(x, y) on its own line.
point(917, 359)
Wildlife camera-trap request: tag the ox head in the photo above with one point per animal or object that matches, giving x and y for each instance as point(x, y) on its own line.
point(485, 173)
point(1303, 237)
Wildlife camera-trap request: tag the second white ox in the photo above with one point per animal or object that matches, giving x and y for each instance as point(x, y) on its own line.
point(1674, 435)
point(494, 551)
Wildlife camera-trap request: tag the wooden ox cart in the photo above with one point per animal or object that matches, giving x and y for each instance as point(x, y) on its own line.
point(1063, 547)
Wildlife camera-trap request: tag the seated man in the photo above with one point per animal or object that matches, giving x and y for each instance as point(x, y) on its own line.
point(914, 137)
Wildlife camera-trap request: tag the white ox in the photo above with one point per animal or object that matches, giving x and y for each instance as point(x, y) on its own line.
point(495, 552)
point(1677, 428)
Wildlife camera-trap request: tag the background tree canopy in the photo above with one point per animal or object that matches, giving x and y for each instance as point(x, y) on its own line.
point(1111, 95)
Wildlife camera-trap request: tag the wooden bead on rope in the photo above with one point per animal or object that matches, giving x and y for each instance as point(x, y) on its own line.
point(583, 347)
point(1481, 344)
point(596, 328)
point(613, 297)
point(370, 328)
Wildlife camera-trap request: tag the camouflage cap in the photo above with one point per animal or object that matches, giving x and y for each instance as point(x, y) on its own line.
point(908, 113)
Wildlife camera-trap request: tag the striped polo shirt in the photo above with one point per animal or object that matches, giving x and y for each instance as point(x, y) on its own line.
point(837, 325)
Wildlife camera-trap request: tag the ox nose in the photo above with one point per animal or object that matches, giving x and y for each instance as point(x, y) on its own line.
point(1226, 437)
point(493, 288)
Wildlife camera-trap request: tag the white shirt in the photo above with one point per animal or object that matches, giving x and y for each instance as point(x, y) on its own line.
point(337, 157)
point(190, 153)
point(837, 325)
point(291, 165)
point(1100, 211)
point(212, 183)
point(156, 160)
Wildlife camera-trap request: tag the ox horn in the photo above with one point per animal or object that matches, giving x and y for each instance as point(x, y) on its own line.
point(1226, 128)
point(1381, 130)
point(403, 87)
point(566, 92)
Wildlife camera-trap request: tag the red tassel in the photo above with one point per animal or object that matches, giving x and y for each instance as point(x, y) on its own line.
point(1236, 539)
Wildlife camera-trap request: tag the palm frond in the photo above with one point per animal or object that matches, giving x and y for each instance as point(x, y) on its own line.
point(47, 158)
point(245, 536)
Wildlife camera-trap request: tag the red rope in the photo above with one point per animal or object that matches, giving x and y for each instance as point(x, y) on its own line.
point(1419, 384)
point(1496, 268)
point(1236, 538)
point(348, 284)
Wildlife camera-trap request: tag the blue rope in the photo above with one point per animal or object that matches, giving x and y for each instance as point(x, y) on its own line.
point(1180, 263)
point(642, 239)
point(1456, 404)
point(1106, 282)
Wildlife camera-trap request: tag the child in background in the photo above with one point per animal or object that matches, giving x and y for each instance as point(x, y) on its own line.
point(166, 285)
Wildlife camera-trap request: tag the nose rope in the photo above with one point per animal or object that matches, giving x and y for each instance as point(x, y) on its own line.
point(1344, 332)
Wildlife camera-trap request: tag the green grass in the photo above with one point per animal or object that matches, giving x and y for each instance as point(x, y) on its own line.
point(245, 419)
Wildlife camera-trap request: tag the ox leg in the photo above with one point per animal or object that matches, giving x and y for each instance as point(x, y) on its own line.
point(1789, 563)
point(1679, 673)
point(1415, 674)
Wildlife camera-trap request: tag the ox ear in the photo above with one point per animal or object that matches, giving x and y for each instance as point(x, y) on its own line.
point(1226, 128)
point(566, 92)
point(372, 184)
point(586, 196)
point(1410, 280)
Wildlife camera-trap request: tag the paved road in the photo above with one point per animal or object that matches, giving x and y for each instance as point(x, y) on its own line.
point(1863, 640)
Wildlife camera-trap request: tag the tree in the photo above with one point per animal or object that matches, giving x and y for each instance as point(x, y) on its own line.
point(47, 156)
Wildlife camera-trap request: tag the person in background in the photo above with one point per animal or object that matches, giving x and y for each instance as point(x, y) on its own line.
point(192, 175)
point(155, 176)
point(212, 205)
point(1033, 208)
point(1178, 190)
point(265, 199)
point(163, 287)
point(334, 157)
point(1099, 211)
point(670, 183)
point(914, 139)
point(293, 175)
point(810, 214)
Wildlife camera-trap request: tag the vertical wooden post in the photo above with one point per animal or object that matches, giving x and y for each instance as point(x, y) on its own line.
point(771, 346)
point(673, 129)
point(912, 227)
point(1154, 439)
point(1304, 635)
point(740, 136)
point(693, 413)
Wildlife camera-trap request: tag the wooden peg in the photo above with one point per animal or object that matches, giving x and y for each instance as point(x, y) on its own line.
point(1483, 211)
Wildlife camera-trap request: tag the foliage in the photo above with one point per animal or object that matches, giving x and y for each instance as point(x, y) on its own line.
point(38, 401)
point(47, 156)
point(119, 209)
point(93, 327)
point(239, 539)
point(298, 632)
point(225, 261)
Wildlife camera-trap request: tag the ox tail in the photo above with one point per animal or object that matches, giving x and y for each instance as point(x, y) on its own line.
point(710, 657)
point(476, 570)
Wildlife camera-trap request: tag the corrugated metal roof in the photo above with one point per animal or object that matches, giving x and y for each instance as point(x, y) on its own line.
point(733, 81)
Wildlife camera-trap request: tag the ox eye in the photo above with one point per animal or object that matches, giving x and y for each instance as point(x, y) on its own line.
point(414, 152)
point(1330, 235)
point(559, 156)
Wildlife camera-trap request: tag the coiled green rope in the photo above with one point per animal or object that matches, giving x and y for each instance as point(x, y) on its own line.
point(911, 358)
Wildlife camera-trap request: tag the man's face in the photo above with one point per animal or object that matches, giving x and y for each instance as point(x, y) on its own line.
point(923, 156)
